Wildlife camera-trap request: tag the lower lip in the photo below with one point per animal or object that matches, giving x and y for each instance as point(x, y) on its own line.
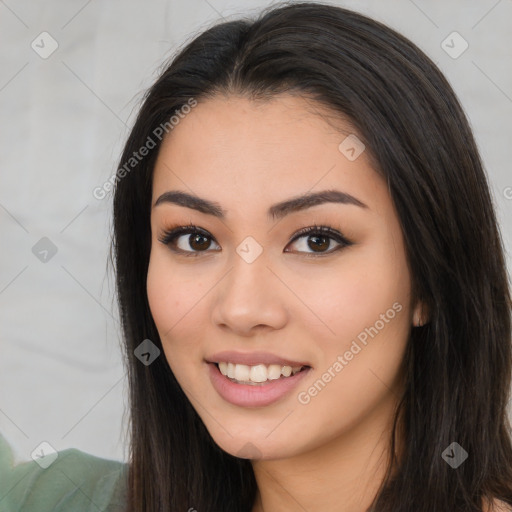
point(245, 395)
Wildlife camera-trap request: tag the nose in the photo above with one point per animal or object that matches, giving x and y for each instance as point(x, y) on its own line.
point(250, 298)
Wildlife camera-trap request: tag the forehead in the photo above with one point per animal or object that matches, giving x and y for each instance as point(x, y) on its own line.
point(234, 147)
point(215, 124)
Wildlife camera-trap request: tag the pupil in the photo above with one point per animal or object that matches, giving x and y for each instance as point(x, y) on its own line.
point(200, 246)
point(316, 238)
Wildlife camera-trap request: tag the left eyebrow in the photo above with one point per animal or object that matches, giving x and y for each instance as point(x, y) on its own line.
point(276, 211)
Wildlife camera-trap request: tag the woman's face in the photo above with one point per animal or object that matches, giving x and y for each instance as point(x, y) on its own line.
point(338, 304)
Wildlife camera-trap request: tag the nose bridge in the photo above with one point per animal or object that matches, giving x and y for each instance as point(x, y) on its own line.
point(249, 277)
point(247, 296)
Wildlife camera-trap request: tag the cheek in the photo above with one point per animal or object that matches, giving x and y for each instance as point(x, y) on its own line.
point(368, 311)
point(358, 366)
point(174, 300)
point(162, 297)
point(176, 307)
point(352, 296)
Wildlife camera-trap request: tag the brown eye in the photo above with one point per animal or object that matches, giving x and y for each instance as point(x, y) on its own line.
point(319, 239)
point(320, 243)
point(198, 242)
point(188, 240)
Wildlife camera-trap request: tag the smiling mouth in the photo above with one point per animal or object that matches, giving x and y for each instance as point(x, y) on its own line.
point(257, 375)
point(241, 390)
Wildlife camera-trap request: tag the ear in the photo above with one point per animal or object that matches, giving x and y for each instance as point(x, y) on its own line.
point(420, 315)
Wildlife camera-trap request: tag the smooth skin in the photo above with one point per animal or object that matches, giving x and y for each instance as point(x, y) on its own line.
point(330, 453)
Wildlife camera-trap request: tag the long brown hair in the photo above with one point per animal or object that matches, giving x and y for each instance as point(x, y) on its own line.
point(457, 367)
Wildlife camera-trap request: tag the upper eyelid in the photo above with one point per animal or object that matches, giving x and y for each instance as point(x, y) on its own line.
point(190, 229)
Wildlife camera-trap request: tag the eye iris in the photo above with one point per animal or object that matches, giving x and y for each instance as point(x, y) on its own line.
point(323, 245)
point(201, 246)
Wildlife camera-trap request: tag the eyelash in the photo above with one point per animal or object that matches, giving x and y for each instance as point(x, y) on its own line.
point(169, 236)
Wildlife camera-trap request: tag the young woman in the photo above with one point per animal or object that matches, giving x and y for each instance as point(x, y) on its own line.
point(311, 280)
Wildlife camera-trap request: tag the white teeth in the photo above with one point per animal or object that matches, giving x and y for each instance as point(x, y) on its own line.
point(273, 372)
point(258, 373)
point(223, 367)
point(286, 371)
point(242, 372)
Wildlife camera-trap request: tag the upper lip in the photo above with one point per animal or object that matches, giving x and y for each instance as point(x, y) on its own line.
point(253, 359)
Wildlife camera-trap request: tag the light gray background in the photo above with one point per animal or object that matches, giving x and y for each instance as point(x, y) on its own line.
point(63, 122)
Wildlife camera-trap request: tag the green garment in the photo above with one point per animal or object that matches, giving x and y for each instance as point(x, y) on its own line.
point(74, 482)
